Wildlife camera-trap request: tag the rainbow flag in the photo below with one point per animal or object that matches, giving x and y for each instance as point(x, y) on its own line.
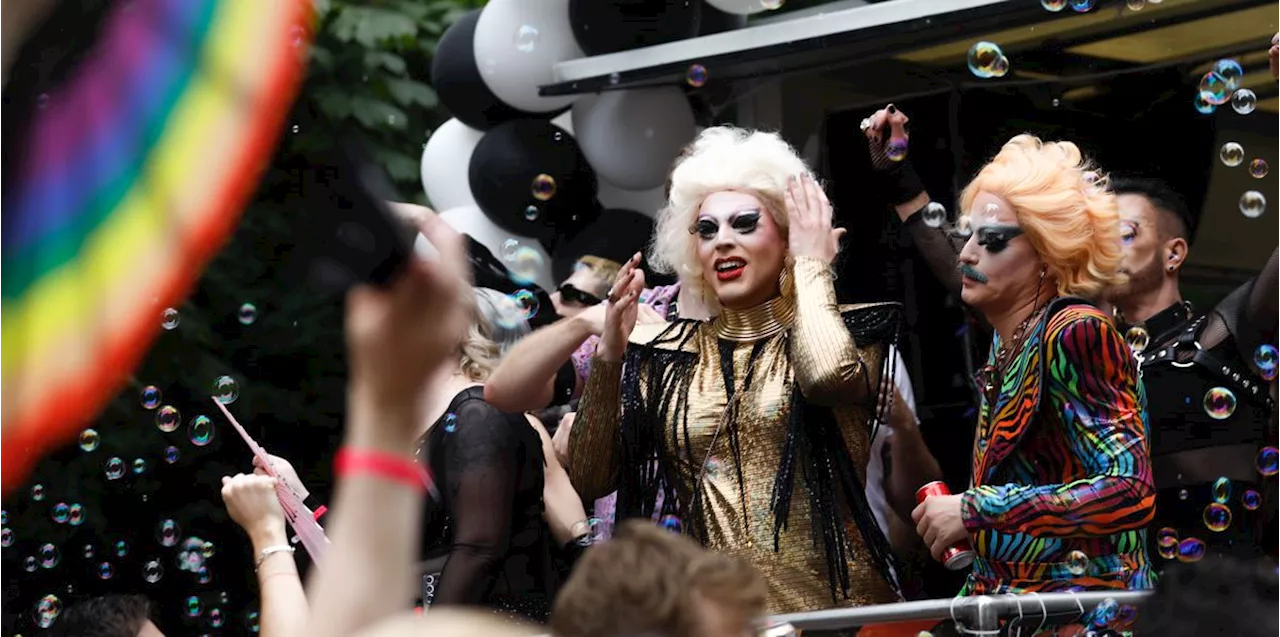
point(134, 174)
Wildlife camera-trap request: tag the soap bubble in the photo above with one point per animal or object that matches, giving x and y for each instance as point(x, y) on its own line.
point(225, 390)
point(544, 187)
point(152, 572)
point(207, 549)
point(114, 468)
point(215, 618)
point(1077, 563)
point(526, 303)
point(105, 571)
point(934, 215)
point(1230, 71)
point(193, 606)
point(169, 318)
point(122, 548)
point(696, 76)
point(1219, 403)
point(251, 621)
point(531, 213)
point(524, 265)
point(1217, 517)
point(896, 149)
point(984, 58)
point(1250, 500)
point(672, 523)
point(1167, 536)
point(1204, 106)
point(139, 466)
point(1105, 612)
point(171, 454)
point(6, 537)
point(450, 423)
point(150, 397)
point(89, 440)
point(1136, 5)
point(1258, 168)
point(167, 533)
point(61, 512)
point(200, 431)
point(526, 38)
point(49, 556)
point(248, 313)
point(1191, 550)
point(1183, 494)
point(1253, 204)
point(1081, 6)
point(168, 419)
point(1264, 358)
point(89, 551)
point(29, 564)
point(4, 517)
point(1137, 338)
point(75, 516)
point(203, 576)
point(1222, 490)
point(1244, 101)
point(1054, 5)
point(1231, 154)
point(37, 492)
point(1268, 458)
point(1214, 89)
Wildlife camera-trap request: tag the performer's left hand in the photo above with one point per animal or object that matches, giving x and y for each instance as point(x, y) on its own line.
point(940, 522)
point(809, 215)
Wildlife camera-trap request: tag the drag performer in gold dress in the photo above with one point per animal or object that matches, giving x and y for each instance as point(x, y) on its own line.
point(753, 426)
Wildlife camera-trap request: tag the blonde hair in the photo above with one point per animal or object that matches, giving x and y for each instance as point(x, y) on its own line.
point(606, 269)
point(1064, 207)
point(719, 159)
point(496, 326)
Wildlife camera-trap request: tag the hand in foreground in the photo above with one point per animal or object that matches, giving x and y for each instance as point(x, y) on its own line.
point(884, 125)
point(809, 216)
point(399, 335)
point(560, 441)
point(622, 310)
point(940, 522)
point(252, 502)
point(284, 471)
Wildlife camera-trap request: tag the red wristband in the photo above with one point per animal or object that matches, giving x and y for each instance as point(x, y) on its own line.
point(383, 465)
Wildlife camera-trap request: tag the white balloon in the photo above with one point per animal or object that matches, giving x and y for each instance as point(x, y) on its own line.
point(744, 7)
point(565, 120)
point(631, 137)
point(471, 221)
point(517, 45)
point(645, 202)
point(445, 162)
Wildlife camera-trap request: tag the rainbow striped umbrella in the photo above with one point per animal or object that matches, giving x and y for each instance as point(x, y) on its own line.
point(133, 175)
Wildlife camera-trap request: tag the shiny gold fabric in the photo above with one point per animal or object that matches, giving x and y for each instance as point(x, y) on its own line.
point(828, 369)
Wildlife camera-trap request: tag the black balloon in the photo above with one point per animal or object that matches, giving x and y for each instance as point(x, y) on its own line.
point(530, 178)
point(616, 235)
point(457, 81)
point(610, 26)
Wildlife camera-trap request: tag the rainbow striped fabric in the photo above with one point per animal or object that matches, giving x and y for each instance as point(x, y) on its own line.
point(134, 174)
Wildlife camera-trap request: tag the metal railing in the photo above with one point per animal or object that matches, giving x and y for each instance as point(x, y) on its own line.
point(979, 614)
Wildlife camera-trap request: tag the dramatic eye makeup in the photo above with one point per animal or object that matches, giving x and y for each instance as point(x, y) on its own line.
point(996, 238)
point(1128, 231)
point(744, 222)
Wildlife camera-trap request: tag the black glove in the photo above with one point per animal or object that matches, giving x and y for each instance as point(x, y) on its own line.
point(897, 181)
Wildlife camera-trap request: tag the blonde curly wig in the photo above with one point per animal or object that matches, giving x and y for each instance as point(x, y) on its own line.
point(1064, 207)
point(720, 158)
point(496, 326)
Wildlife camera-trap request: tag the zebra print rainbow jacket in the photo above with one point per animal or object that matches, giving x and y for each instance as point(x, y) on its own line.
point(1061, 488)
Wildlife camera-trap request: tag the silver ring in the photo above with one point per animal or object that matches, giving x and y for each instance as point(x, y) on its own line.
point(866, 123)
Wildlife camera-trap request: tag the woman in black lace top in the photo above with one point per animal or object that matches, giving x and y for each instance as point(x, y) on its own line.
point(488, 537)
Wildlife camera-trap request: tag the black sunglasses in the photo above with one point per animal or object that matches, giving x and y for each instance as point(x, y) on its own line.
point(570, 294)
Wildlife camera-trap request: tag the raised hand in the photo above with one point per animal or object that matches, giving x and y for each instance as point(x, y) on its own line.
point(622, 310)
point(398, 336)
point(809, 216)
point(886, 132)
point(284, 470)
point(252, 502)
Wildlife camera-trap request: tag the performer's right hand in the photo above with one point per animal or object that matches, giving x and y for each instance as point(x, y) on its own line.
point(252, 502)
point(620, 315)
point(284, 470)
point(883, 125)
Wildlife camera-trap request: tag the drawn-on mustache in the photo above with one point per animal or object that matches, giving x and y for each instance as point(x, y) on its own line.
point(972, 273)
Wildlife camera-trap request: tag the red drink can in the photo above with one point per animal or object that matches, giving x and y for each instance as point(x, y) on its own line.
point(958, 556)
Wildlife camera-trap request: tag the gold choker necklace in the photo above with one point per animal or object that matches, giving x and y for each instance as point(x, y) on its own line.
point(761, 321)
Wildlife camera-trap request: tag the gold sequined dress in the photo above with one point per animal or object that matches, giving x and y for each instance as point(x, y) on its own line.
point(755, 428)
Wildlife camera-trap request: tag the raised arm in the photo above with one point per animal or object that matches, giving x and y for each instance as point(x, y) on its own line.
point(565, 515)
point(482, 466)
point(524, 379)
point(1094, 383)
point(252, 502)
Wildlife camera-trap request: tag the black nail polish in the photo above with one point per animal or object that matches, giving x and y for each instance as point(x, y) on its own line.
point(893, 109)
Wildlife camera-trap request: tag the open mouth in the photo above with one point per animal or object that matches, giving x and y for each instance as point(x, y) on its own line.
point(729, 269)
point(969, 272)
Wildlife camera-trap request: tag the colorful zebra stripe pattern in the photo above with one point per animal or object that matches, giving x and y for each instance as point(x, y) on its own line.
point(1062, 483)
point(134, 173)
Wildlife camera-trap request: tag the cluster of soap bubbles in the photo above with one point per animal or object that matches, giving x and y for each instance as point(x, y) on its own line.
point(1252, 203)
point(193, 553)
point(986, 60)
point(1079, 6)
point(1221, 85)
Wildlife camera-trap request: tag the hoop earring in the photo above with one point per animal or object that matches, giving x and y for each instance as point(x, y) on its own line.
point(786, 283)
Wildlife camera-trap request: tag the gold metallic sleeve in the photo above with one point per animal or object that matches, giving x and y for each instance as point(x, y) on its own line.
point(593, 443)
point(829, 367)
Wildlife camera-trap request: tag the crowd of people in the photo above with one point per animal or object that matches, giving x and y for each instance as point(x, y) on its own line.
point(688, 459)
